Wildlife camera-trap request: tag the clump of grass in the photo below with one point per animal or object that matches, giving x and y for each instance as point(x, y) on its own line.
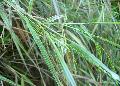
point(59, 43)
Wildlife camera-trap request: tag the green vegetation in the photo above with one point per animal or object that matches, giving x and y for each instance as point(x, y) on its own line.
point(59, 43)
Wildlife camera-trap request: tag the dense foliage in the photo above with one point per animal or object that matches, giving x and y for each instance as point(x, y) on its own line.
point(59, 43)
